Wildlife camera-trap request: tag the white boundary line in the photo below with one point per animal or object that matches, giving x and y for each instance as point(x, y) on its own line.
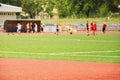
point(95, 40)
point(94, 56)
point(31, 39)
point(87, 54)
point(62, 53)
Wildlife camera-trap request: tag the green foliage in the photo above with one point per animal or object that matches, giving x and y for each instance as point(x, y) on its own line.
point(32, 7)
point(69, 8)
point(50, 6)
point(62, 8)
point(11, 2)
point(87, 8)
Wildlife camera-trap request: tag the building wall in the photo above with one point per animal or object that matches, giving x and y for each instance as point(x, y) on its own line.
point(6, 16)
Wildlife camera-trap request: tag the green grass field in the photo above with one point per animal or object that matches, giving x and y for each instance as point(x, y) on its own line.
point(99, 48)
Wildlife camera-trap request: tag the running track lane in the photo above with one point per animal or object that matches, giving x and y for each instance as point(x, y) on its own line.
point(30, 69)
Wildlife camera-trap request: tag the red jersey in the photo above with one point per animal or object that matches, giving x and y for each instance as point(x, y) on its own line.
point(91, 26)
point(94, 27)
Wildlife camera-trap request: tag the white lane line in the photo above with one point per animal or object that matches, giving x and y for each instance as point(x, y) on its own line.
point(61, 53)
point(31, 39)
point(66, 53)
point(95, 40)
point(15, 52)
point(89, 52)
point(92, 56)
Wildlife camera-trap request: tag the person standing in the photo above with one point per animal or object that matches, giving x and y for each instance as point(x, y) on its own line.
point(28, 27)
point(94, 28)
point(70, 31)
point(87, 27)
point(19, 26)
point(33, 27)
point(104, 28)
point(41, 27)
point(57, 29)
point(36, 27)
point(91, 27)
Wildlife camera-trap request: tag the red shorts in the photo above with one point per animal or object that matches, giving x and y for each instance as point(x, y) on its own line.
point(91, 28)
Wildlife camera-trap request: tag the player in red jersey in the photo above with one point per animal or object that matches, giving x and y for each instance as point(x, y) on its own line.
point(94, 28)
point(91, 26)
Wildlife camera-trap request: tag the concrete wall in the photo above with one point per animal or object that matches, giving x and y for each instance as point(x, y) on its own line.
point(6, 16)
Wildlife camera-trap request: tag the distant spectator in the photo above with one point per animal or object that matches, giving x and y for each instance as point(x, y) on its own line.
point(36, 27)
point(33, 27)
point(19, 26)
point(28, 27)
point(42, 28)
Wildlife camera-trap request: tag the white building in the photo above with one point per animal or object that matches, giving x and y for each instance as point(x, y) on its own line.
point(8, 12)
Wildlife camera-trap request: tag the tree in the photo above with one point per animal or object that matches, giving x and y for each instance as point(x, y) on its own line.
point(12, 2)
point(68, 8)
point(62, 7)
point(49, 7)
point(32, 7)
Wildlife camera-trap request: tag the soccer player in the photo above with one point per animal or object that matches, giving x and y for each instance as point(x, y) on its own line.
point(91, 27)
point(94, 28)
point(57, 29)
point(70, 31)
point(87, 27)
point(104, 28)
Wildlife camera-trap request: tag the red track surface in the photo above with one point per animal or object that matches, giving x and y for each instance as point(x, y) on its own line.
point(29, 69)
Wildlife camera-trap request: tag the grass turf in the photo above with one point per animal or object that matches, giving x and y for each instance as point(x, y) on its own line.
point(99, 48)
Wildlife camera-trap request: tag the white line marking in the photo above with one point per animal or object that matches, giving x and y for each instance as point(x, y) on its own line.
point(90, 52)
point(94, 56)
point(42, 39)
point(95, 40)
point(20, 52)
point(67, 53)
point(108, 51)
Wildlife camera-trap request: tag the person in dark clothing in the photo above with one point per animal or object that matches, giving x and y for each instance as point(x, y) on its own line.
point(33, 27)
point(87, 27)
point(104, 28)
point(57, 29)
point(42, 28)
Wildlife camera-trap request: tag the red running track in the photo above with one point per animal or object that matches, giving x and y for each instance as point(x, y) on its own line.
point(29, 69)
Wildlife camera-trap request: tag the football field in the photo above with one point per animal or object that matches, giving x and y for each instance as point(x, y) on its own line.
point(80, 47)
